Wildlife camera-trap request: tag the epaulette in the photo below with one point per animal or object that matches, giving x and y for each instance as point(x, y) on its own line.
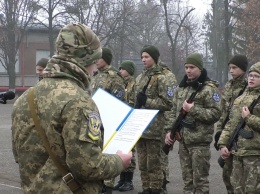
point(213, 83)
point(112, 72)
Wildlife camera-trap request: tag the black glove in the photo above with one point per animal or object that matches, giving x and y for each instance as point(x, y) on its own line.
point(217, 136)
point(141, 99)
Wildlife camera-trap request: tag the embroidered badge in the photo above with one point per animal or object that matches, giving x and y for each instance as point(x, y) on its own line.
point(170, 91)
point(94, 125)
point(216, 97)
point(118, 93)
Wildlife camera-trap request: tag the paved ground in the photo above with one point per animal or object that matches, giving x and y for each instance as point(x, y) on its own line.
point(9, 174)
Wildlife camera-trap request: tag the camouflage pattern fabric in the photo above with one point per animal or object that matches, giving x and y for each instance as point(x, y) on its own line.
point(129, 86)
point(246, 156)
point(194, 148)
point(246, 174)
point(229, 93)
point(70, 120)
point(110, 80)
point(149, 160)
point(159, 96)
point(245, 147)
point(195, 171)
point(167, 115)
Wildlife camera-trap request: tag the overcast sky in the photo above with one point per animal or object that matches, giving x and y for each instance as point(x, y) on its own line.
point(201, 7)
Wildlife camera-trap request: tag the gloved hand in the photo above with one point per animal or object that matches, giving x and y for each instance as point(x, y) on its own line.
point(141, 99)
point(217, 136)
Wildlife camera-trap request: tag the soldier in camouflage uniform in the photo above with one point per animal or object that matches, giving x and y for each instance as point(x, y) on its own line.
point(109, 79)
point(69, 118)
point(152, 90)
point(234, 87)
point(195, 138)
point(246, 155)
point(168, 116)
point(40, 65)
point(127, 70)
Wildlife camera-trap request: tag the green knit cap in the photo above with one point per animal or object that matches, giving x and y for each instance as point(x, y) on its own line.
point(152, 51)
point(42, 62)
point(107, 55)
point(195, 59)
point(129, 66)
point(255, 67)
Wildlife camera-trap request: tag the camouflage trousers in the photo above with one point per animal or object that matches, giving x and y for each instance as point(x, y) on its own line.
point(195, 167)
point(246, 174)
point(149, 162)
point(226, 174)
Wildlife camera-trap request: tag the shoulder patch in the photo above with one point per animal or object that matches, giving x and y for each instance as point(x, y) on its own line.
point(211, 84)
point(170, 91)
point(118, 93)
point(94, 125)
point(112, 73)
point(215, 97)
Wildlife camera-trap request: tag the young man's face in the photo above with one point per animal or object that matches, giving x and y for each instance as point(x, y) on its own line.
point(147, 60)
point(39, 71)
point(124, 73)
point(235, 71)
point(101, 63)
point(253, 79)
point(192, 71)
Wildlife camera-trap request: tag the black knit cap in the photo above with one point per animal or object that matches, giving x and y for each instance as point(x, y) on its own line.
point(42, 62)
point(240, 61)
point(152, 51)
point(107, 55)
point(129, 66)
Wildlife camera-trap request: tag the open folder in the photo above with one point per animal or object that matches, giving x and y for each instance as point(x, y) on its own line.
point(123, 125)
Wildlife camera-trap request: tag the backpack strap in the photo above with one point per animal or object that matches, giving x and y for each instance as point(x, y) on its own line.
point(67, 177)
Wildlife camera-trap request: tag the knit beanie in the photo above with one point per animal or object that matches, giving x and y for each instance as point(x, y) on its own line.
point(240, 61)
point(107, 55)
point(255, 67)
point(195, 59)
point(42, 62)
point(129, 66)
point(152, 51)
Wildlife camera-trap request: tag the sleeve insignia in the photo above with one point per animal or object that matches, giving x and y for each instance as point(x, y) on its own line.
point(216, 97)
point(170, 91)
point(118, 93)
point(94, 125)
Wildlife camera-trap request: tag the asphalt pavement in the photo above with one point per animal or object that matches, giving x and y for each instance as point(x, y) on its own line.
point(9, 172)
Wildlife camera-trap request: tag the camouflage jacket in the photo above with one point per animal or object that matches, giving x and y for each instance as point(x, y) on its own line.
point(110, 80)
point(129, 87)
point(72, 123)
point(230, 92)
point(159, 96)
point(245, 147)
point(204, 113)
point(168, 114)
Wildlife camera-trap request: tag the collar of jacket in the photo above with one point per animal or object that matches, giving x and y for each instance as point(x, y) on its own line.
point(154, 70)
point(185, 82)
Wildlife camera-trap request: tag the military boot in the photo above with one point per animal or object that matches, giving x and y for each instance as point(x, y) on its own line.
point(121, 181)
point(128, 184)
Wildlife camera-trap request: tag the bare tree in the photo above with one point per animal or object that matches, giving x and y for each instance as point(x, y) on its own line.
point(175, 22)
point(51, 17)
point(15, 17)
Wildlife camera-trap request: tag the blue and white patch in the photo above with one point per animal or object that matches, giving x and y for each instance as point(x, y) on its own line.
point(170, 91)
point(118, 93)
point(216, 97)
